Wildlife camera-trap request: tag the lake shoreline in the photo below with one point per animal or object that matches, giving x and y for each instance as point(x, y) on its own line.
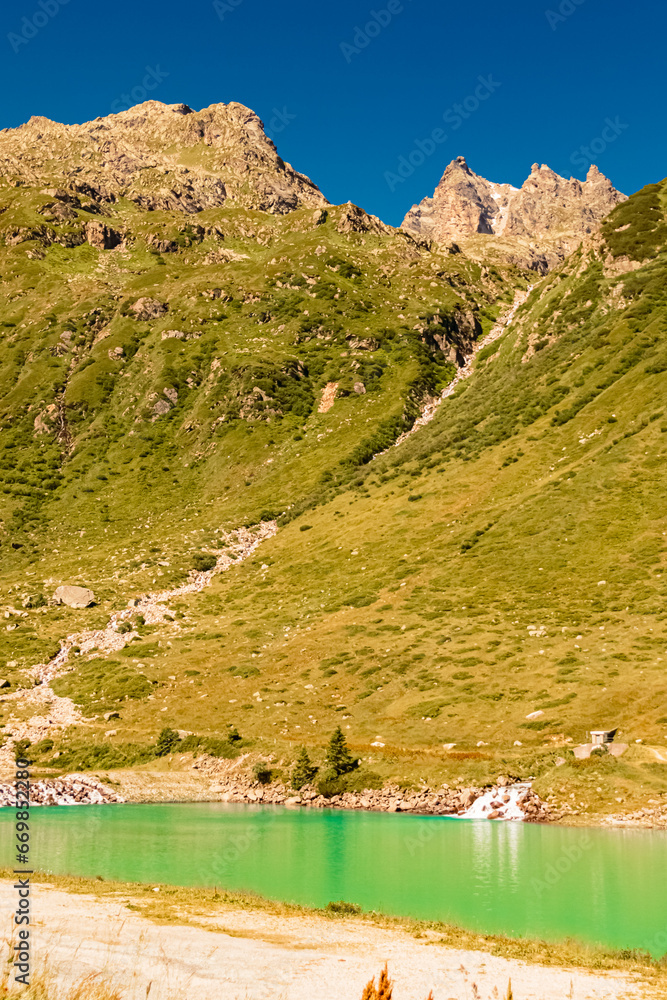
point(244, 940)
point(213, 782)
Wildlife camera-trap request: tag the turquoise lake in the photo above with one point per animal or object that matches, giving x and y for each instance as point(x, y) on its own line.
point(605, 886)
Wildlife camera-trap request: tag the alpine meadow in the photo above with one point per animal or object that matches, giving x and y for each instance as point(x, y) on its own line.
point(405, 482)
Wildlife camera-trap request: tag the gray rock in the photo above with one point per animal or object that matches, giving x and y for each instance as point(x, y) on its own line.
point(161, 407)
point(4, 683)
point(147, 308)
point(74, 597)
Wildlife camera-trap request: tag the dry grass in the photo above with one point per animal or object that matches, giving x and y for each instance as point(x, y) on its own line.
point(44, 985)
point(93, 987)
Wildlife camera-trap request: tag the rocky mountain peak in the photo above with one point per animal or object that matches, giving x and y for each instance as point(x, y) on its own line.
point(548, 209)
point(161, 156)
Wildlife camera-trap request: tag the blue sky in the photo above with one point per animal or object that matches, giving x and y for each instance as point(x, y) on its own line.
point(354, 90)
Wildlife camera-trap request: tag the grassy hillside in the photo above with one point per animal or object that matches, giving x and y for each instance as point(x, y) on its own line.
point(508, 558)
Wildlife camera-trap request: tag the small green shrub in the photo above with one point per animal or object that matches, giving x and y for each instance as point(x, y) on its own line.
point(35, 601)
point(262, 773)
point(21, 748)
point(167, 742)
point(343, 909)
point(203, 562)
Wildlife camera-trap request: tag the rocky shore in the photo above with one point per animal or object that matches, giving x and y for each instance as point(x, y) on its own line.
point(503, 801)
point(70, 790)
point(650, 816)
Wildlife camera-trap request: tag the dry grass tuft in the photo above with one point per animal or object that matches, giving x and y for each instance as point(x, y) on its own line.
point(384, 989)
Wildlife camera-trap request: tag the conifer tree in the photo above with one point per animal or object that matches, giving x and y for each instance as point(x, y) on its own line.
point(166, 742)
point(303, 771)
point(339, 759)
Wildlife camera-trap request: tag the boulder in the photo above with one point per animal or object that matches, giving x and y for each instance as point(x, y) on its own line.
point(161, 407)
point(101, 237)
point(4, 683)
point(74, 597)
point(147, 308)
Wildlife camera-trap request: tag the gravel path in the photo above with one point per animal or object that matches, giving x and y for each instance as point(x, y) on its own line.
point(59, 713)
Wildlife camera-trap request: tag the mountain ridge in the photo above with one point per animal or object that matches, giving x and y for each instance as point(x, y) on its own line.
point(548, 213)
point(162, 157)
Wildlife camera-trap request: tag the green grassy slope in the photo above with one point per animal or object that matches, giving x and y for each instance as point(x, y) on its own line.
point(508, 558)
point(103, 411)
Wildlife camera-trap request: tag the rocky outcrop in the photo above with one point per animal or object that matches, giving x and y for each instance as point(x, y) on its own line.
point(548, 205)
point(463, 204)
point(548, 211)
point(453, 333)
point(74, 597)
point(352, 219)
point(101, 237)
point(162, 246)
point(138, 154)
